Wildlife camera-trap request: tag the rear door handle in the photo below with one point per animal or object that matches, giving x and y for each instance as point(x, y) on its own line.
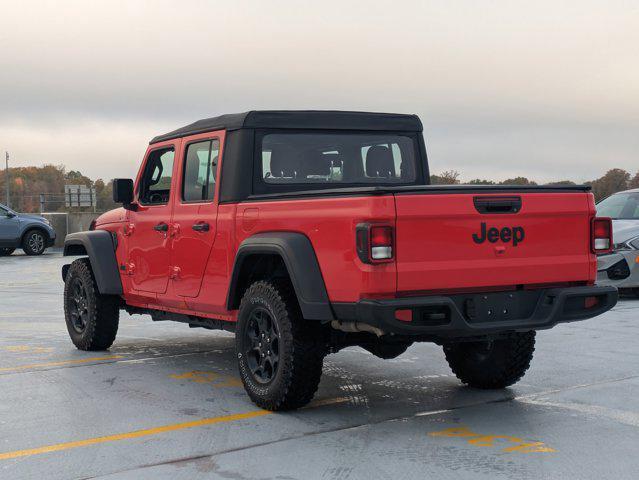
point(161, 227)
point(201, 227)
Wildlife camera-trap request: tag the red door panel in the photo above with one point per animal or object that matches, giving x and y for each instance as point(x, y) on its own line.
point(191, 247)
point(149, 249)
point(194, 219)
point(149, 227)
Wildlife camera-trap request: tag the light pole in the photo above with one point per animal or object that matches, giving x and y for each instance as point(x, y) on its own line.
point(6, 176)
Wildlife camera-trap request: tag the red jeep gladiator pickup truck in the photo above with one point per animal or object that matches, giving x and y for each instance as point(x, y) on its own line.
point(305, 232)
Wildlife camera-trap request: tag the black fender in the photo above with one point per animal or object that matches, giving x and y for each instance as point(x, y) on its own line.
point(298, 255)
point(99, 247)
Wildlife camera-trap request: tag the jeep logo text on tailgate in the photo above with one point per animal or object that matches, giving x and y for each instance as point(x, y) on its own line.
point(506, 235)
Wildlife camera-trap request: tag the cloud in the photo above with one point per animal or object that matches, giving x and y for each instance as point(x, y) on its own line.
point(546, 89)
point(98, 148)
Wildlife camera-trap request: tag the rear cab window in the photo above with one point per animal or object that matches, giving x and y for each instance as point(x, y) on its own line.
point(293, 161)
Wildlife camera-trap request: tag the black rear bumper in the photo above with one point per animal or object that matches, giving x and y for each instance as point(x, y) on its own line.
point(480, 314)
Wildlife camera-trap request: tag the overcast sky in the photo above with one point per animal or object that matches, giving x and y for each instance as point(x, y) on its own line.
point(545, 89)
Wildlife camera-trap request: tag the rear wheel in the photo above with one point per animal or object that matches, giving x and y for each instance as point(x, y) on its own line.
point(34, 242)
point(631, 292)
point(492, 364)
point(92, 319)
point(280, 355)
point(4, 252)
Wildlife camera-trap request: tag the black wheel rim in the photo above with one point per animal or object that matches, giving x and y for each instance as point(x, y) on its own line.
point(78, 305)
point(262, 345)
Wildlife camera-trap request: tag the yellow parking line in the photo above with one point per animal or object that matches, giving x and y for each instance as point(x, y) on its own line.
point(58, 364)
point(135, 434)
point(155, 431)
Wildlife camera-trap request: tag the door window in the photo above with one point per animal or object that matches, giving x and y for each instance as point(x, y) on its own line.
point(200, 170)
point(155, 185)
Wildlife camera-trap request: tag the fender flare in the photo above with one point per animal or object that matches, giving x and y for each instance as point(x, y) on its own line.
point(300, 260)
point(98, 246)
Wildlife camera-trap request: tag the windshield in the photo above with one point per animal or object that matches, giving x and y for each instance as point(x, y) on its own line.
point(337, 159)
point(620, 206)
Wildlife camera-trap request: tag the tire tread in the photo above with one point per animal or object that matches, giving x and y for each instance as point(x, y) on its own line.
point(103, 324)
point(302, 371)
point(502, 369)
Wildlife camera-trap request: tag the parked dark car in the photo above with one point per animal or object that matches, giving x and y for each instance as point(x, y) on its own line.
point(31, 233)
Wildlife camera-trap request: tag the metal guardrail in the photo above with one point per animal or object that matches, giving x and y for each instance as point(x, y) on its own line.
point(77, 201)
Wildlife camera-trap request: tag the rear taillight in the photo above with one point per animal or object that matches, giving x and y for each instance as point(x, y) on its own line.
point(374, 243)
point(601, 232)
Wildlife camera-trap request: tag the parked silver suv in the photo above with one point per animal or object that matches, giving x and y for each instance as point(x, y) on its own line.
point(32, 233)
point(620, 268)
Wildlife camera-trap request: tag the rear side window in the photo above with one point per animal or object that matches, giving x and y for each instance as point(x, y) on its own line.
point(155, 185)
point(200, 169)
point(337, 159)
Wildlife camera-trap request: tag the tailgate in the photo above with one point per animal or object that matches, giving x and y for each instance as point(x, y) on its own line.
point(459, 241)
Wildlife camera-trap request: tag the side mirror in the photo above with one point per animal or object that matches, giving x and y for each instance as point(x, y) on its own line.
point(11, 214)
point(123, 191)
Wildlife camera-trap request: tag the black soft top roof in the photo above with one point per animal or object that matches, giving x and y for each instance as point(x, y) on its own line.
point(310, 119)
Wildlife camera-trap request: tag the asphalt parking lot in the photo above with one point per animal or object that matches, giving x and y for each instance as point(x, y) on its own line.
point(166, 402)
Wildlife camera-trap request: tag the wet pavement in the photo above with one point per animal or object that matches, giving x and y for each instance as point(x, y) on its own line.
point(166, 402)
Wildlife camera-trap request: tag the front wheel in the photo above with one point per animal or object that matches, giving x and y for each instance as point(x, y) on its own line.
point(34, 242)
point(92, 319)
point(280, 355)
point(492, 364)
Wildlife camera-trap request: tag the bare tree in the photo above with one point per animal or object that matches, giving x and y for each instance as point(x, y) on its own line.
point(562, 182)
point(480, 181)
point(518, 181)
point(449, 177)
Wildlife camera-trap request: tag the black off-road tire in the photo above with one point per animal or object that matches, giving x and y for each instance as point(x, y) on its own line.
point(96, 327)
point(629, 292)
point(299, 347)
point(492, 365)
point(34, 242)
point(5, 251)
